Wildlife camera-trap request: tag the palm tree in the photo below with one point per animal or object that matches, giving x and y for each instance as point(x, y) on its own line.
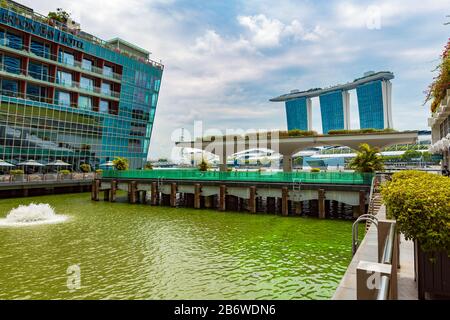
point(367, 159)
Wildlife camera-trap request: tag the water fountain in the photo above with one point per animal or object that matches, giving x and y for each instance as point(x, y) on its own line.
point(32, 214)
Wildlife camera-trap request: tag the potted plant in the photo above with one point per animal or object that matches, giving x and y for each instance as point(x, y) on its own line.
point(84, 167)
point(98, 173)
point(120, 163)
point(419, 201)
point(18, 175)
point(148, 166)
point(204, 165)
point(314, 170)
point(64, 174)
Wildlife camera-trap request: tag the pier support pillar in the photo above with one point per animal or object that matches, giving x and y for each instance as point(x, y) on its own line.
point(222, 197)
point(132, 193)
point(154, 194)
point(362, 202)
point(321, 198)
point(95, 189)
point(287, 163)
point(113, 191)
point(25, 192)
point(298, 208)
point(173, 195)
point(252, 200)
point(208, 202)
point(197, 195)
point(284, 201)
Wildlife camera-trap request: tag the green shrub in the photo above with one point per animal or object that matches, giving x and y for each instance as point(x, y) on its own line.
point(367, 159)
point(148, 166)
point(85, 167)
point(204, 165)
point(360, 131)
point(64, 171)
point(315, 170)
point(297, 133)
point(120, 163)
point(16, 171)
point(99, 171)
point(419, 201)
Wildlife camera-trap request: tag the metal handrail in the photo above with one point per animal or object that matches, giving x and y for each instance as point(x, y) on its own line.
point(388, 246)
point(384, 288)
point(365, 217)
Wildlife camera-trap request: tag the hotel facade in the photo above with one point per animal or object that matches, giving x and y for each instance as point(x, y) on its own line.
point(374, 93)
point(68, 95)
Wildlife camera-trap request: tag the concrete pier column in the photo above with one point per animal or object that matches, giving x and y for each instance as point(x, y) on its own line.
point(321, 197)
point(173, 194)
point(144, 197)
point(252, 200)
point(96, 188)
point(197, 195)
point(132, 193)
point(154, 194)
point(113, 191)
point(298, 208)
point(284, 201)
point(287, 163)
point(362, 202)
point(222, 197)
point(355, 210)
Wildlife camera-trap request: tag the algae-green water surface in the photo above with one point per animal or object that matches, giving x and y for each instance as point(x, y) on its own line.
point(142, 252)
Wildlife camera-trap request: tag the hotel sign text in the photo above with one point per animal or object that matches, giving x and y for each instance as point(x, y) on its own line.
point(39, 29)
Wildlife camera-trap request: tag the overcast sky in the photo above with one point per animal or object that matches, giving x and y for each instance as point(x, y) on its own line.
point(225, 59)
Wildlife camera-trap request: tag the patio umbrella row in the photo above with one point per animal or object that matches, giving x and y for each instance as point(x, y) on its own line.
point(34, 163)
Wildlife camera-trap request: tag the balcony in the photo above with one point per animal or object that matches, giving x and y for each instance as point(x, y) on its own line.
point(442, 112)
point(52, 59)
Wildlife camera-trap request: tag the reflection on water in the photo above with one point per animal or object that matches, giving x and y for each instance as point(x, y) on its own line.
point(143, 252)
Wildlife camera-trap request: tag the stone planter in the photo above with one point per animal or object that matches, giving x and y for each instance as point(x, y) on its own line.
point(432, 273)
point(19, 178)
point(66, 176)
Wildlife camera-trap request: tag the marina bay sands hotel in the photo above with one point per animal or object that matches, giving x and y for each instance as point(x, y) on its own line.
point(374, 104)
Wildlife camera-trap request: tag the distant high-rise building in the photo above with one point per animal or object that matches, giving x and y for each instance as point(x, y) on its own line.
point(298, 113)
point(374, 92)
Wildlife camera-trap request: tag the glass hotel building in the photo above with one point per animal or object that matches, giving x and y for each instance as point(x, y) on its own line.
point(374, 104)
point(67, 95)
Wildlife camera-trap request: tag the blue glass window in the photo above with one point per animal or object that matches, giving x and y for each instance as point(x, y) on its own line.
point(36, 93)
point(11, 64)
point(297, 114)
point(63, 98)
point(107, 71)
point(10, 88)
point(66, 58)
point(86, 64)
point(14, 41)
point(40, 49)
point(64, 78)
point(332, 111)
point(85, 103)
point(106, 88)
point(104, 106)
point(38, 71)
point(370, 105)
point(87, 84)
point(157, 84)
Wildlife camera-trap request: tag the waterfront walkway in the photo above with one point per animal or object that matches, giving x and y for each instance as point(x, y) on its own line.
point(368, 251)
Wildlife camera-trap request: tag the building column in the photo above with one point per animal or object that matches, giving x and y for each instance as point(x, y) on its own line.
point(309, 113)
point(321, 198)
point(346, 107)
point(287, 163)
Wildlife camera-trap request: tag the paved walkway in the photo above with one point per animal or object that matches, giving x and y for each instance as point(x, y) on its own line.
point(368, 251)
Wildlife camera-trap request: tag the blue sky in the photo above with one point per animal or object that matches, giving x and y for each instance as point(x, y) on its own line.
point(225, 59)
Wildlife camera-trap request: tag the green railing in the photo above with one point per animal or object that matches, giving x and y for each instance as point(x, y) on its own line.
point(303, 177)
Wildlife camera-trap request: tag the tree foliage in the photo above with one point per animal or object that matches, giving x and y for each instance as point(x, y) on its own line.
point(204, 165)
point(60, 15)
point(367, 159)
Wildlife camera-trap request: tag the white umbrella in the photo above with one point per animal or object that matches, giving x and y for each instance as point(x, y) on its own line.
point(31, 163)
point(59, 163)
point(3, 163)
point(107, 164)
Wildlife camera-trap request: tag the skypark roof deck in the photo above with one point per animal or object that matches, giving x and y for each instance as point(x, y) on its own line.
point(311, 93)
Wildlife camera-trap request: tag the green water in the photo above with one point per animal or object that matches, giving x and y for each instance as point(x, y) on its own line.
point(143, 252)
